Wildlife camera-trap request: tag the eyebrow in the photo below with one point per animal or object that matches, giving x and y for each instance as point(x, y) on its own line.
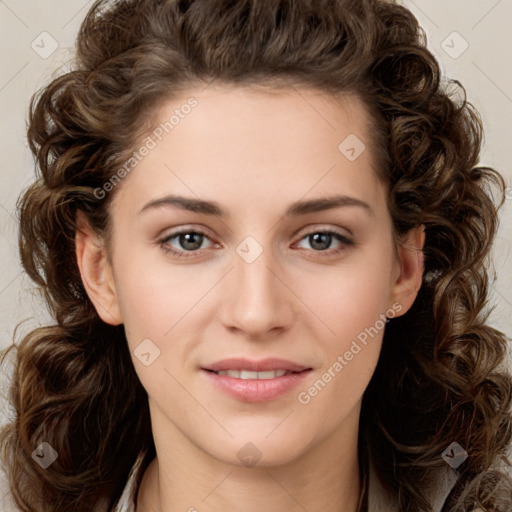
point(296, 209)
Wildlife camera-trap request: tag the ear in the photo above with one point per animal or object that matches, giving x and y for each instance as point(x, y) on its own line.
point(411, 263)
point(95, 271)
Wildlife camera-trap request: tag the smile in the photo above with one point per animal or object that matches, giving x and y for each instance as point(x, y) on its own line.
point(247, 374)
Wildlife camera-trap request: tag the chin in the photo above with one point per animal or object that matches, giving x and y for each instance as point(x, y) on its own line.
point(256, 448)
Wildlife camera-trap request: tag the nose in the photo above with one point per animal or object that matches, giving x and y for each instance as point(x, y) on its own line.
point(257, 299)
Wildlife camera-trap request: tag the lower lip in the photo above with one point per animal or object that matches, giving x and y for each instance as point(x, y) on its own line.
point(257, 390)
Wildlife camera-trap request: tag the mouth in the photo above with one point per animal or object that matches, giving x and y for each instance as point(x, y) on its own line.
point(248, 374)
point(256, 381)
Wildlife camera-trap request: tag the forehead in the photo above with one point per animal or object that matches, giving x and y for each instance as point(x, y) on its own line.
point(258, 107)
point(252, 140)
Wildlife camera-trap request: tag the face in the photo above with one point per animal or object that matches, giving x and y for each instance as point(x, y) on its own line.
point(255, 232)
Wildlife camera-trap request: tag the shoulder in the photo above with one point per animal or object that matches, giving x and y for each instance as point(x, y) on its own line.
point(126, 502)
point(379, 500)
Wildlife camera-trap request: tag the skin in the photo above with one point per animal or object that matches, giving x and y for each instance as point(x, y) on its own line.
point(254, 153)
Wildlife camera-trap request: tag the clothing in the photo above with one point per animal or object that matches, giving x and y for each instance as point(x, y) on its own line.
point(378, 501)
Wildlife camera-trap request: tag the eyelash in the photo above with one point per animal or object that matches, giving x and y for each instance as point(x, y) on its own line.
point(346, 242)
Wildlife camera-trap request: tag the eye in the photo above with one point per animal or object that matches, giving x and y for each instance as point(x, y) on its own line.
point(188, 241)
point(321, 241)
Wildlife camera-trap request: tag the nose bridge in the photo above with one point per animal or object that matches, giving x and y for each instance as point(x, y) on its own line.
point(258, 301)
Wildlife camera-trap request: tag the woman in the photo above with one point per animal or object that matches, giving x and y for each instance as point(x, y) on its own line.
point(262, 231)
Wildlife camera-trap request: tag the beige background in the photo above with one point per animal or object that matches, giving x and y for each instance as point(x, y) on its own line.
point(471, 39)
point(484, 68)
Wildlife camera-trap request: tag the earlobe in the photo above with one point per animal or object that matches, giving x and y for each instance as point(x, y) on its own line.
point(95, 271)
point(411, 259)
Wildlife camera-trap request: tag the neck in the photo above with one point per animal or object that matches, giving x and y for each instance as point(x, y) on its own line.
point(184, 478)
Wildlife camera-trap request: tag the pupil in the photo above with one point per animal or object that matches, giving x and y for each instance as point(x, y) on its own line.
point(187, 241)
point(317, 239)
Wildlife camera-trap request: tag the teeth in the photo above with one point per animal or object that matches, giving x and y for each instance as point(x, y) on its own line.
point(271, 374)
point(246, 374)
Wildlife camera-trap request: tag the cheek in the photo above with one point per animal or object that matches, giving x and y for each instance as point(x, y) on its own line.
point(351, 303)
point(353, 308)
point(156, 308)
point(351, 297)
point(154, 295)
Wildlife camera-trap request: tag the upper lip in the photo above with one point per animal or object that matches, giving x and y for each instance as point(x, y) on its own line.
point(269, 364)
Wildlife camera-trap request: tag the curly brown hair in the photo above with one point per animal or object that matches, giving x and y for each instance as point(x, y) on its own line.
point(439, 378)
